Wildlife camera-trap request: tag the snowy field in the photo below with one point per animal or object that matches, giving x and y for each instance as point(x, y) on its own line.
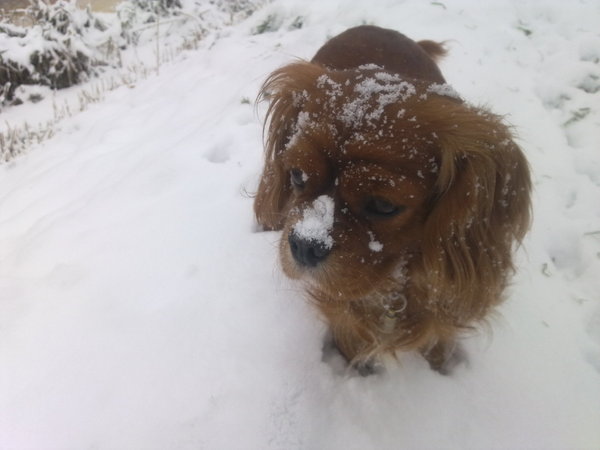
point(140, 309)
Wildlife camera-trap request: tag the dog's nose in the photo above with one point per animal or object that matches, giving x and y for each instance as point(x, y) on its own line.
point(307, 252)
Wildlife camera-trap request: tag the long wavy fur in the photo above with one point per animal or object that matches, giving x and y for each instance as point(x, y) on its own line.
point(477, 212)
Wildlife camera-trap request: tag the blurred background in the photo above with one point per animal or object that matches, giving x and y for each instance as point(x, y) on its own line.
point(97, 5)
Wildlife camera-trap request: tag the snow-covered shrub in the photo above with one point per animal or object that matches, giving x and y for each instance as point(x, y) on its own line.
point(140, 18)
point(270, 24)
point(136, 16)
point(159, 7)
point(64, 46)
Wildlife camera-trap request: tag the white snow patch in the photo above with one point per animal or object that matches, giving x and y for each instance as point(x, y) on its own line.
point(369, 67)
point(386, 88)
point(317, 222)
point(302, 124)
point(444, 89)
point(374, 245)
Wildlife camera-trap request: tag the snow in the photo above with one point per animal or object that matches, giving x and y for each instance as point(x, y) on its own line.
point(303, 123)
point(444, 89)
point(374, 244)
point(139, 308)
point(317, 222)
point(385, 88)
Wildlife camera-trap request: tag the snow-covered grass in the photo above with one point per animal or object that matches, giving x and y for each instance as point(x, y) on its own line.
point(139, 307)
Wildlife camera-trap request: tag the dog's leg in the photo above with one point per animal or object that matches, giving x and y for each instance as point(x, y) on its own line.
point(444, 356)
point(351, 348)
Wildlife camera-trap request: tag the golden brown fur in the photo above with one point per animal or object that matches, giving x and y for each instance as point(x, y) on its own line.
point(431, 194)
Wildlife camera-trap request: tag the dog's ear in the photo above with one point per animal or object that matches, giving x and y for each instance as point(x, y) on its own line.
point(286, 90)
point(480, 209)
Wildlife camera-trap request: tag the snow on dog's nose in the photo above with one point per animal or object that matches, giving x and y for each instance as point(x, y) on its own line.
point(310, 240)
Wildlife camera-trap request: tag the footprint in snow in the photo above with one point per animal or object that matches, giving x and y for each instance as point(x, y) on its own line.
point(218, 154)
point(219, 150)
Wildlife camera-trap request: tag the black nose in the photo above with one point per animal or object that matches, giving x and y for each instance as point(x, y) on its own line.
point(307, 252)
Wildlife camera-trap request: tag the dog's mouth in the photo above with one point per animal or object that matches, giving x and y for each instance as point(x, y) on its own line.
point(332, 271)
point(330, 257)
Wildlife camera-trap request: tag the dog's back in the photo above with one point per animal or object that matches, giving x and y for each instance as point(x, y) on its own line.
point(385, 48)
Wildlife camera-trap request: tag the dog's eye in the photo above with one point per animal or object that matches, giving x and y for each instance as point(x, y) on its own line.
point(379, 207)
point(298, 178)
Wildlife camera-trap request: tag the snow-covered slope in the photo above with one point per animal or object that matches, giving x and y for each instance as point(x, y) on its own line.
point(139, 307)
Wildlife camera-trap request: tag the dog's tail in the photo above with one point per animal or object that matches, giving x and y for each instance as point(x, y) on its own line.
point(435, 50)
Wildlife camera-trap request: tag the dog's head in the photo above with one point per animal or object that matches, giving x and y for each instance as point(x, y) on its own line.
point(367, 172)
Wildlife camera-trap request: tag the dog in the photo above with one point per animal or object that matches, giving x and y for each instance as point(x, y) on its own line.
point(400, 204)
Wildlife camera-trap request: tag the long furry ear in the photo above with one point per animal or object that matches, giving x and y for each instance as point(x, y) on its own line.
point(286, 90)
point(272, 195)
point(481, 208)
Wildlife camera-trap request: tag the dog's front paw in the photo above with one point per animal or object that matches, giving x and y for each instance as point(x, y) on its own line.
point(444, 357)
point(370, 367)
point(337, 360)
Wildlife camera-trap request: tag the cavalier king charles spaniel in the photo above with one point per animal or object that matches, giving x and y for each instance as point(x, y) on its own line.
point(400, 204)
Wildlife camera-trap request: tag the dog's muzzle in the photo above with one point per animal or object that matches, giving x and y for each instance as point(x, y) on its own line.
point(307, 253)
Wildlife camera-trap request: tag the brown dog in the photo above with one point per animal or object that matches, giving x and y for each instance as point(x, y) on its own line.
point(400, 204)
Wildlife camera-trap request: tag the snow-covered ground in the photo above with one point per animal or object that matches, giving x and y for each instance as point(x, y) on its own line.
point(140, 309)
